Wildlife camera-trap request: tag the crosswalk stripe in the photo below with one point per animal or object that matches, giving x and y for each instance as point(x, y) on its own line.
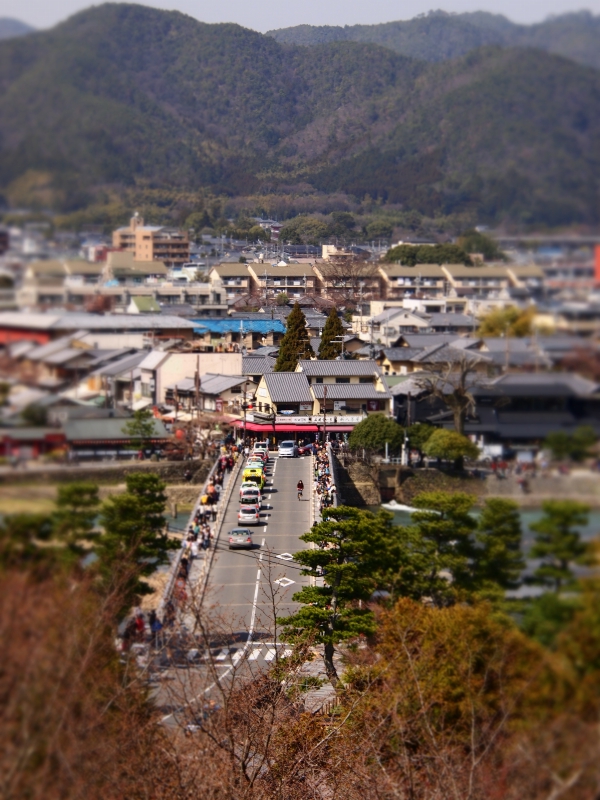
point(222, 655)
point(287, 653)
point(270, 654)
point(237, 656)
point(254, 654)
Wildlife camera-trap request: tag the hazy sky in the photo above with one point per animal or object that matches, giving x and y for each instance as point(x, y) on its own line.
point(264, 16)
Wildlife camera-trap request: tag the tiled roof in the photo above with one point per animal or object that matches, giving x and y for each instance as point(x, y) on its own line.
point(550, 384)
point(109, 429)
point(215, 384)
point(423, 270)
point(423, 340)
point(348, 391)
point(402, 353)
point(257, 365)
point(345, 368)
point(122, 365)
point(288, 387)
point(446, 354)
point(231, 270)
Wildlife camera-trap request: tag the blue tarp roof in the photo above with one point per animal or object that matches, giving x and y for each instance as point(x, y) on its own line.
point(226, 325)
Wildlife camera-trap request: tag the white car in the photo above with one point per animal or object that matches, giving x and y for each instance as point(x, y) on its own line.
point(288, 450)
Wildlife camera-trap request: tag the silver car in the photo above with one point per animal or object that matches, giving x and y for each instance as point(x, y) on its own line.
point(288, 450)
point(249, 515)
point(240, 539)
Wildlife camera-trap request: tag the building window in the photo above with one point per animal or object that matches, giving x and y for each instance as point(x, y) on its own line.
point(342, 380)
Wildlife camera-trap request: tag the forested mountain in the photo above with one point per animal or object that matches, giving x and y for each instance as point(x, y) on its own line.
point(13, 27)
point(122, 95)
point(438, 36)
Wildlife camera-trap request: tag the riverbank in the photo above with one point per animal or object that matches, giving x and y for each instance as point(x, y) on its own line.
point(370, 485)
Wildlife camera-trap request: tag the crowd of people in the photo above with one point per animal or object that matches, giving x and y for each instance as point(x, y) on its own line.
point(324, 485)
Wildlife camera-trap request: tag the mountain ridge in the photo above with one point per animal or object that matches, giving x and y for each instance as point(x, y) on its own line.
point(123, 96)
point(439, 36)
point(9, 28)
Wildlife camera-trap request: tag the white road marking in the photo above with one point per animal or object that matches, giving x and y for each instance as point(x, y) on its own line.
point(285, 556)
point(270, 654)
point(222, 655)
point(255, 653)
point(284, 582)
point(237, 656)
point(265, 528)
point(287, 653)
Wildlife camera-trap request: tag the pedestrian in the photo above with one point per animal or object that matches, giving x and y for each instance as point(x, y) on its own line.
point(194, 549)
point(140, 626)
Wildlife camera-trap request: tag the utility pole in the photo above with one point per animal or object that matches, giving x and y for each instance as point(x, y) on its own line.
point(324, 413)
point(244, 409)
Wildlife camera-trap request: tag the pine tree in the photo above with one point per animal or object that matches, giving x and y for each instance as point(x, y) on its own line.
point(295, 343)
point(499, 561)
point(331, 343)
point(134, 542)
point(342, 543)
point(557, 542)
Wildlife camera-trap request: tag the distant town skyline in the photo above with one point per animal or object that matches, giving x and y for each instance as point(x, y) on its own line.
point(41, 14)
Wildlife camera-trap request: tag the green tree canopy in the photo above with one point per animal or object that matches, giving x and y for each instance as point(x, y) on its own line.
point(304, 230)
point(558, 543)
point(498, 561)
point(510, 321)
point(409, 255)
point(130, 547)
point(256, 233)
point(295, 343)
point(379, 229)
point(473, 241)
point(418, 435)
point(374, 431)
point(450, 446)
point(140, 428)
point(342, 542)
point(77, 506)
point(574, 445)
point(150, 490)
point(329, 348)
point(444, 528)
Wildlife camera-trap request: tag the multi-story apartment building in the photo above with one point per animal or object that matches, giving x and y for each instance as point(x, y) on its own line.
point(422, 280)
point(153, 242)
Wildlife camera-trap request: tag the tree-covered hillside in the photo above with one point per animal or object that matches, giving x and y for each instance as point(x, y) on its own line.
point(124, 96)
point(439, 36)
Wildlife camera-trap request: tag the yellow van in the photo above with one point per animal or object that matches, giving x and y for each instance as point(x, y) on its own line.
point(254, 475)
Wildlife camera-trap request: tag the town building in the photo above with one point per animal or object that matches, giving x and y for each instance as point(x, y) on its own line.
point(153, 242)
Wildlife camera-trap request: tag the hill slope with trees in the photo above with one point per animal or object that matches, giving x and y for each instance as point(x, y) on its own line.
point(439, 36)
point(126, 96)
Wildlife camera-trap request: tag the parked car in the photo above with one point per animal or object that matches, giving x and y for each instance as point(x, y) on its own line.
point(240, 539)
point(305, 450)
point(288, 450)
point(249, 514)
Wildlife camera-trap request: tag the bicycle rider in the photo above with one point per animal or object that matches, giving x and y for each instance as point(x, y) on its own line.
point(300, 488)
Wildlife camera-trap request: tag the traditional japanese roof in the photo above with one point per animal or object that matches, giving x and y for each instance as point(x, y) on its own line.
point(348, 391)
point(288, 387)
point(257, 365)
point(341, 367)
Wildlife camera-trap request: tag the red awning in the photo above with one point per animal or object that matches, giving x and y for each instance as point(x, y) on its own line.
point(254, 426)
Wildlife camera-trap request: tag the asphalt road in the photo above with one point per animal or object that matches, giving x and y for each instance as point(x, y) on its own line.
point(249, 588)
